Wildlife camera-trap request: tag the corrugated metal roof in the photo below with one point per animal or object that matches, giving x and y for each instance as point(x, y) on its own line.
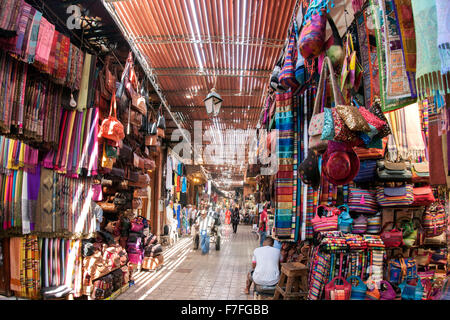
point(195, 45)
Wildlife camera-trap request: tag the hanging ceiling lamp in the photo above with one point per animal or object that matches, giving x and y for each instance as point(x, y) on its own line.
point(213, 102)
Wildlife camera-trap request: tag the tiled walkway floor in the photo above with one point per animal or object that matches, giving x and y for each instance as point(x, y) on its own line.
point(187, 275)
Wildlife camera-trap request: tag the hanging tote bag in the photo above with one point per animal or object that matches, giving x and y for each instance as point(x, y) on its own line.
point(433, 220)
point(401, 269)
point(392, 238)
point(324, 223)
point(312, 36)
point(111, 127)
point(358, 290)
point(372, 292)
point(411, 289)
point(345, 221)
point(287, 75)
point(335, 291)
point(317, 121)
point(315, 126)
point(374, 223)
point(362, 201)
point(360, 225)
point(386, 291)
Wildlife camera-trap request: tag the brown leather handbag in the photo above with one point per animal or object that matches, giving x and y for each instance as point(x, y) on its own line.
point(149, 164)
point(110, 78)
point(143, 181)
point(107, 206)
point(151, 141)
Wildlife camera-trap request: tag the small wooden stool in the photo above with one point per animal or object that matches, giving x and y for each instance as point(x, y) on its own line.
point(293, 284)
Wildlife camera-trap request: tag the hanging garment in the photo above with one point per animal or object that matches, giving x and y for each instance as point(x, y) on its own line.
point(398, 85)
point(443, 34)
point(428, 76)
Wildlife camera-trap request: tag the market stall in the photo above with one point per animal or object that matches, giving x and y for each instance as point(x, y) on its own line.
point(356, 115)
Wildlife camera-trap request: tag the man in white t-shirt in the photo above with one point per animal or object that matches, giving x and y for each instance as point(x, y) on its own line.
point(266, 265)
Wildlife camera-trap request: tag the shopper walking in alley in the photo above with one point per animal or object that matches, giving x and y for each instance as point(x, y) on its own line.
point(228, 217)
point(235, 218)
point(263, 226)
point(205, 223)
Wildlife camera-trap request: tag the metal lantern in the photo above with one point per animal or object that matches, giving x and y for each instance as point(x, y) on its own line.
point(213, 102)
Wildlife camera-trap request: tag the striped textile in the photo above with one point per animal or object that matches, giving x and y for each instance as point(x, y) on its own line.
point(390, 201)
point(284, 184)
point(319, 275)
point(362, 200)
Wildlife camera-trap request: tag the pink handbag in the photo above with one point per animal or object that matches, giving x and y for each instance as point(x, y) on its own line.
point(325, 223)
point(97, 192)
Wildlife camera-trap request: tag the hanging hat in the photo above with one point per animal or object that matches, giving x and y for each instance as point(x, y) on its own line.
point(340, 163)
point(309, 169)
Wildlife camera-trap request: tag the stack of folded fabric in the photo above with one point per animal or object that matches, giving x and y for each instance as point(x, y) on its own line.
point(355, 241)
point(374, 242)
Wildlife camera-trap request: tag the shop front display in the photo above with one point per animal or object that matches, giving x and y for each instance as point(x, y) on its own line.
point(362, 150)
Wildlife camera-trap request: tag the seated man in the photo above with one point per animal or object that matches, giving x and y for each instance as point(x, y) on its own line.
point(266, 265)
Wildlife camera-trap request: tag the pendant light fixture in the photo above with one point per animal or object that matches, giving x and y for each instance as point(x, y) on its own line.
point(213, 102)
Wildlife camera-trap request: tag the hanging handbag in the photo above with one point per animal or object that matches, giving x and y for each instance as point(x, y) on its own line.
point(385, 131)
point(322, 223)
point(420, 172)
point(372, 292)
point(352, 118)
point(335, 291)
point(352, 70)
point(341, 132)
point(111, 127)
point(106, 161)
point(97, 194)
point(394, 171)
point(359, 290)
point(409, 233)
point(345, 221)
point(396, 196)
point(412, 289)
point(287, 74)
point(400, 269)
point(434, 220)
point(362, 201)
point(161, 123)
point(423, 196)
point(125, 152)
point(317, 121)
point(312, 35)
point(386, 291)
point(392, 238)
point(110, 78)
point(360, 225)
point(374, 223)
point(151, 140)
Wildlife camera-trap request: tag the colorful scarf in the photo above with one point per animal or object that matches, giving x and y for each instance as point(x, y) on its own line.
point(443, 32)
point(428, 77)
point(284, 178)
point(45, 40)
point(32, 40)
